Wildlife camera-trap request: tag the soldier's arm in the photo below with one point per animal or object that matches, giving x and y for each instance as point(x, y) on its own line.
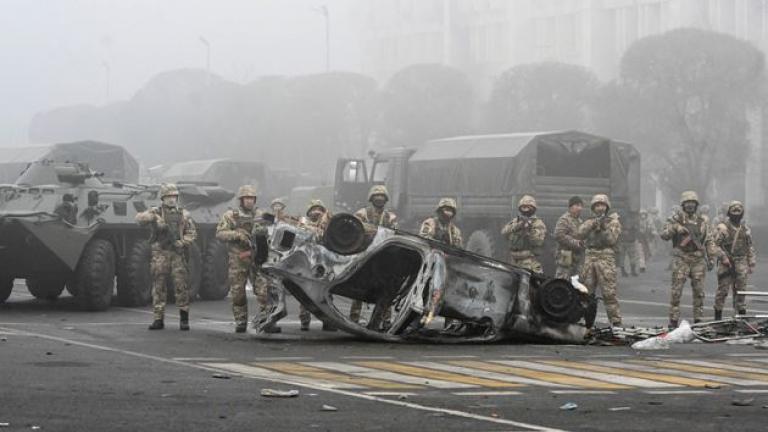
point(538, 233)
point(510, 227)
point(458, 238)
point(669, 229)
point(427, 229)
point(612, 231)
point(190, 230)
point(713, 249)
point(225, 231)
point(586, 228)
point(751, 254)
point(362, 214)
point(146, 217)
point(393, 222)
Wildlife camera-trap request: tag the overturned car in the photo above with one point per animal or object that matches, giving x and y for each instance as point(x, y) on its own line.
point(420, 281)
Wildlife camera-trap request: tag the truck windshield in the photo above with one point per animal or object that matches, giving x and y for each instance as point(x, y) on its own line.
point(380, 171)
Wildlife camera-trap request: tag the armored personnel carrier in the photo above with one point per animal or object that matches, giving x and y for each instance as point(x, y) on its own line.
point(61, 227)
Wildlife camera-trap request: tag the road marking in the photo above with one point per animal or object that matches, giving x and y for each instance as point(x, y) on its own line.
point(716, 378)
point(435, 374)
point(448, 356)
point(483, 374)
point(545, 379)
point(653, 376)
point(367, 357)
point(611, 378)
point(725, 366)
point(384, 393)
point(584, 392)
point(753, 391)
point(263, 373)
point(391, 376)
point(707, 370)
point(487, 393)
point(676, 392)
point(200, 359)
point(319, 373)
point(281, 358)
point(290, 381)
point(747, 355)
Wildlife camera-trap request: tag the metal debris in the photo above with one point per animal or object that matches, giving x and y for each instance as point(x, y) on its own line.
point(570, 406)
point(329, 408)
point(279, 393)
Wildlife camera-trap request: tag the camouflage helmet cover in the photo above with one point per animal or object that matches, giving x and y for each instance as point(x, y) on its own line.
point(247, 191)
point(527, 200)
point(447, 202)
point(278, 201)
point(653, 211)
point(736, 207)
point(168, 189)
point(378, 190)
point(315, 203)
point(689, 195)
point(600, 198)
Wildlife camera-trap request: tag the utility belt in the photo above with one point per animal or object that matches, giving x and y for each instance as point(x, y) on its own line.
point(602, 252)
point(522, 254)
point(567, 257)
point(683, 254)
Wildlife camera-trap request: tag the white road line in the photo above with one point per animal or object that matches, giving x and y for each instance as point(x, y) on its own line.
point(748, 355)
point(752, 391)
point(367, 357)
point(611, 378)
point(676, 392)
point(684, 374)
point(485, 374)
point(584, 392)
point(448, 356)
point(386, 375)
point(383, 393)
point(725, 366)
point(201, 359)
point(487, 393)
point(262, 359)
point(761, 359)
point(399, 403)
point(257, 372)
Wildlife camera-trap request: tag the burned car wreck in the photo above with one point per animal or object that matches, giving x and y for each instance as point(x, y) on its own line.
point(421, 281)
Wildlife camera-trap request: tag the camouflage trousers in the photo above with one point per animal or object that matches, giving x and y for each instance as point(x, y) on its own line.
point(599, 271)
point(684, 266)
point(528, 262)
point(357, 307)
point(634, 252)
point(733, 281)
point(168, 265)
point(240, 271)
point(568, 263)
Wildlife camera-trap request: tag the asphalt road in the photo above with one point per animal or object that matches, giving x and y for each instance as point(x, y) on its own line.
point(66, 370)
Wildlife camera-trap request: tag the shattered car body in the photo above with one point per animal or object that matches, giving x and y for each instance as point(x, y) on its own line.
point(420, 280)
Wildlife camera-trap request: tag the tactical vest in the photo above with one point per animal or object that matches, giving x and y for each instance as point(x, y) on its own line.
point(737, 246)
point(597, 239)
point(244, 220)
point(520, 242)
point(696, 230)
point(382, 219)
point(442, 234)
point(174, 219)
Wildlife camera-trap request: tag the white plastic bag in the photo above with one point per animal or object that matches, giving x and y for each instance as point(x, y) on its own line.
point(682, 334)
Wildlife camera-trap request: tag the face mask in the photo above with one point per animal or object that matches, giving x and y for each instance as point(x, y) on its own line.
point(736, 219)
point(315, 215)
point(690, 207)
point(170, 201)
point(379, 202)
point(528, 213)
point(445, 215)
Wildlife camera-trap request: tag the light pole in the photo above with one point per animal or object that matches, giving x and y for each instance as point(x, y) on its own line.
point(323, 10)
point(207, 45)
point(107, 77)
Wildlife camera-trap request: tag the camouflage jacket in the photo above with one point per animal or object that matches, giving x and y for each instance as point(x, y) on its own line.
point(168, 225)
point(237, 226)
point(319, 226)
point(525, 234)
point(600, 234)
point(566, 230)
point(433, 229)
point(378, 217)
point(736, 241)
point(699, 236)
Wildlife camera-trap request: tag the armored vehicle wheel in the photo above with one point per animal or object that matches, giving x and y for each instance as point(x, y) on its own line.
point(484, 242)
point(134, 282)
point(215, 272)
point(6, 286)
point(45, 288)
point(95, 275)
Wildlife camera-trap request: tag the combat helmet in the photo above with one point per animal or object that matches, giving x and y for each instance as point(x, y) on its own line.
point(247, 191)
point(315, 203)
point(600, 198)
point(527, 200)
point(278, 201)
point(168, 189)
point(734, 206)
point(447, 202)
point(378, 190)
point(653, 211)
point(689, 195)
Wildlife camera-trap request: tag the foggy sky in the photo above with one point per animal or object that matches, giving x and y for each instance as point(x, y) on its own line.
point(55, 53)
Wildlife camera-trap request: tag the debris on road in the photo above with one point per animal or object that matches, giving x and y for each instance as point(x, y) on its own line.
point(221, 376)
point(743, 402)
point(682, 334)
point(570, 406)
point(5, 425)
point(279, 393)
point(329, 408)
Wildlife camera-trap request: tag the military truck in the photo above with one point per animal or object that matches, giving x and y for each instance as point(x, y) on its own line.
point(62, 225)
point(487, 174)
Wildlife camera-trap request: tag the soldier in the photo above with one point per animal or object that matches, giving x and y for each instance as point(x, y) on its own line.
point(570, 250)
point(738, 261)
point(278, 209)
point(375, 214)
point(526, 236)
point(441, 227)
point(646, 235)
point(317, 218)
point(172, 233)
point(628, 247)
point(67, 210)
point(600, 234)
point(237, 227)
point(693, 254)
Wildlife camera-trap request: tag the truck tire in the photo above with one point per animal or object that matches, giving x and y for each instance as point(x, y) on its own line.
point(6, 286)
point(95, 275)
point(215, 272)
point(484, 242)
point(45, 288)
point(134, 282)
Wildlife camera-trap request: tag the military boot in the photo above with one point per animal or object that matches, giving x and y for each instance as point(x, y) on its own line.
point(624, 272)
point(672, 324)
point(184, 321)
point(632, 269)
point(157, 325)
point(718, 315)
point(241, 327)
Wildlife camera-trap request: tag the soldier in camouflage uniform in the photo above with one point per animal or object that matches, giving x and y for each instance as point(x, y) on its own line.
point(693, 254)
point(600, 234)
point(441, 227)
point(172, 233)
point(375, 214)
point(570, 250)
point(738, 261)
point(525, 234)
point(237, 227)
point(317, 218)
point(628, 248)
point(646, 235)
